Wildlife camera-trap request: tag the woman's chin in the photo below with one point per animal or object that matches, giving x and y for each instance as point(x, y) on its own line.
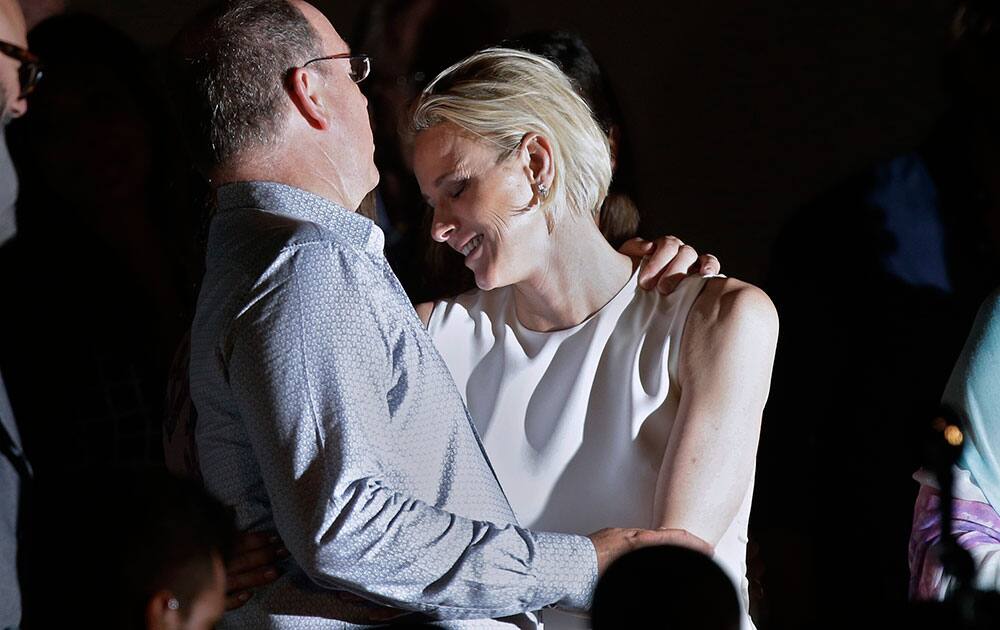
point(488, 275)
point(485, 281)
point(484, 284)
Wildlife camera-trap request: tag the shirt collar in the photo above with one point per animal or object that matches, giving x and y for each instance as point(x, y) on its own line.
point(301, 204)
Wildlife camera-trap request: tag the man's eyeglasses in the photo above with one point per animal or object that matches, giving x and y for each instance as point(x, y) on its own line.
point(361, 65)
point(30, 72)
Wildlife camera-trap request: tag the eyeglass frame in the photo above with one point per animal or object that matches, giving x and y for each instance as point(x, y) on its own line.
point(349, 57)
point(31, 66)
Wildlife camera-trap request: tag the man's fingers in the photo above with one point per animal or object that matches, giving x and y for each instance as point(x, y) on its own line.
point(248, 541)
point(373, 611)
point(347, 596)
point(682, 261)
point(707, 265)
point(387, 614)
point(676, 269)
point(251, 579)
point(636, 247)
point(667, 249)
point(666, 284)
point(253, 565)
point(253, 560)
point(235, 600)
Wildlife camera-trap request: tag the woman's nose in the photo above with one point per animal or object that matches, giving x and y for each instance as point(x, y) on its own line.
point(441, 229)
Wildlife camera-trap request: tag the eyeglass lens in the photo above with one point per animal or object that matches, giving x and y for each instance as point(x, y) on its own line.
point(360, 67)
point(29, 74)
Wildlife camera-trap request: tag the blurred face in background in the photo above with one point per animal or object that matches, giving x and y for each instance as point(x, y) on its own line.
point(90, 129)
point(12, 31)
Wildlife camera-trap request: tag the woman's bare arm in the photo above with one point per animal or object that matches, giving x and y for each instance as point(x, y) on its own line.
point(726, 356)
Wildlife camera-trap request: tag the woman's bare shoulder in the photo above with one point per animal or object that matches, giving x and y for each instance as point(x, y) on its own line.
point(731, 301)
point(731, 323)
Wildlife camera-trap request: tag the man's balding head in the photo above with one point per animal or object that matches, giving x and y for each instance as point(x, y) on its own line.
point(266, 89)
point(226, 72)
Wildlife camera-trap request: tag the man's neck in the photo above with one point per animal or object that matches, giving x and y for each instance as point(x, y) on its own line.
point(289, 171)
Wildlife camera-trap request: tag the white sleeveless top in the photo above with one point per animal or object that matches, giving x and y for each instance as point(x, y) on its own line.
point(576, 421)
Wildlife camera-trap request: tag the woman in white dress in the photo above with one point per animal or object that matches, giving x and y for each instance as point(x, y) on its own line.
point(599, 404)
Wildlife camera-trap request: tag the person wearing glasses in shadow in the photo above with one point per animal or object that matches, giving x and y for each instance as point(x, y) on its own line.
point(20, 71)
point(325, 411)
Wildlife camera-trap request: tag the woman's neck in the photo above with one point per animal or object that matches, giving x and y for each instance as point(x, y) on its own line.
point(579, 273)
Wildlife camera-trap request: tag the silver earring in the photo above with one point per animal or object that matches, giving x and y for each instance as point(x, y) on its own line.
point(543, 191)
point(173, 604)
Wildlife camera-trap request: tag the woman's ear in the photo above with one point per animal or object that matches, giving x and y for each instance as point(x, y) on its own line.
point(539, 159)
point(539, 166)
point(309, 102)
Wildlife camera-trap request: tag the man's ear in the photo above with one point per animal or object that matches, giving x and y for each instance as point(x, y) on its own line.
point(536, 151)
point(303, 89)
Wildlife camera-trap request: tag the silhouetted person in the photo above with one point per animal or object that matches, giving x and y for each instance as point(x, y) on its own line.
point(673, 588)
point(877, 282)
point(18, 75)
point(105, 280)
point(148, 552)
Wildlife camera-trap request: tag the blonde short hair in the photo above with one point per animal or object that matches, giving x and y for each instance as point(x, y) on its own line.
point(499, 95)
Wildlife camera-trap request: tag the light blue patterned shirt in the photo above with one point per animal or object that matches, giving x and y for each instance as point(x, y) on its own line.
point(326, 412)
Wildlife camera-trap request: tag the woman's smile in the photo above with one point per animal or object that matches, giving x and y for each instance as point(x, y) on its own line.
point(471, 245)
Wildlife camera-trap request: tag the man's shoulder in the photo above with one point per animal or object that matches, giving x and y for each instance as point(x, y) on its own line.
point(312, 239)
point(271, 236)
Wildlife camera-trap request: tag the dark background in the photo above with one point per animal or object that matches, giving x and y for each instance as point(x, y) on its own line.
point(738, 112)
point(745, 122)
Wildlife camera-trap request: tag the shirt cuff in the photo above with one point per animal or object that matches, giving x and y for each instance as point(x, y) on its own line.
point(566, 569)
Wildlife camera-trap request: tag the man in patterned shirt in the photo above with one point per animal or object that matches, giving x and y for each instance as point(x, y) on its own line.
point(324, 410)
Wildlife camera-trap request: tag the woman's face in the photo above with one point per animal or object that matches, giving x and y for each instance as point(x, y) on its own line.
point(482, 208)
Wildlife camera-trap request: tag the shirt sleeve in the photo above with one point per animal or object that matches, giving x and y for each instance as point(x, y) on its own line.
point(974, 526)
point(310, 369)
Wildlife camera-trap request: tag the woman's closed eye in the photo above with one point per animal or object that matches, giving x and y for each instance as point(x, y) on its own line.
point(457, 188)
